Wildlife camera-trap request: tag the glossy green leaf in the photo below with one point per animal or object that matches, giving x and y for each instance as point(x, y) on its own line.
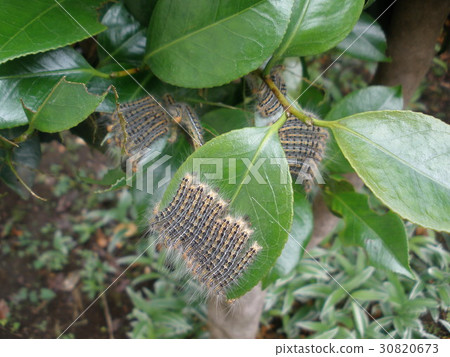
point(67, 105)
point(367, 99)
point(25, 159)
point(124, 39)
point(302, 226)
point(32, 79)
point(224, 120)
point(383, 237)
point(40, 25)
point(318, 25)
point(366, 41)
point(266, 203)
point(403, 158)
point(207, 43)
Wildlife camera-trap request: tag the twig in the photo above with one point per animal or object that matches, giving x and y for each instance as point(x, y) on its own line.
point(8, 141)
point(11, 166)
point(285, 103)
point(107, 317)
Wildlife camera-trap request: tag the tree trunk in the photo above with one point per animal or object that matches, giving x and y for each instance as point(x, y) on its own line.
point(412, 32)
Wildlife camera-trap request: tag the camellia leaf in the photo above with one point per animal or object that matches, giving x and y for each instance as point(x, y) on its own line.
point(383, 237)
point(124, 40)
point(403, 157)
point(67, 105)
point(207, 43)
point(40, 25)
point(367, 99)
point(32, 79)
point(267, 203)
point(318, 25)
point(366, 41)
point(302, 226)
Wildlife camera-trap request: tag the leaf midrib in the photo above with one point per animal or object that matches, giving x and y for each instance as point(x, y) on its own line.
point(262, 144)
point(387, 153)
point(191, 34)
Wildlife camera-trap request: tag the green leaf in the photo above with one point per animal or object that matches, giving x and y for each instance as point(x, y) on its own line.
point(318, 25)
point(383, 237)
point(403, 158)
point(26, 159)
point(124, 39)
point(141, 9)
point(207, 43)
point(32, 79)
point(224, 120)
point(301, 231)
point(366, 41)
point(367, 99)
point(36, 26)
point(267, 204)
point(67, 105)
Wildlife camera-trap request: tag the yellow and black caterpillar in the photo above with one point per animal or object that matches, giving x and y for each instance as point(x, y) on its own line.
point(212, 243)
point(138, 124)
point(304, 145)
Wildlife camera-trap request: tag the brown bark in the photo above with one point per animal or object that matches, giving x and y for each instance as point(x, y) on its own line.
point(411, 36)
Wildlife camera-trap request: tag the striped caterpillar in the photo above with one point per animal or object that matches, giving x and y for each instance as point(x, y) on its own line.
point(213, 244)
point(304, 145)
point(138, 124)
point(268, 105)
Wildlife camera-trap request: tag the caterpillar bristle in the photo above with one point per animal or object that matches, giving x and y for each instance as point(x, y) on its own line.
point(198, 226)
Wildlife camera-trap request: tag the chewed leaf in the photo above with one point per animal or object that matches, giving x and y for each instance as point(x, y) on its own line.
point(67, 105)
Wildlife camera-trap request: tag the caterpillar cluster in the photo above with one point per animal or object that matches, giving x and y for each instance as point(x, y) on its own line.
point(213, 244)
point(304, 145)
point(138, 124)
point(268, 105)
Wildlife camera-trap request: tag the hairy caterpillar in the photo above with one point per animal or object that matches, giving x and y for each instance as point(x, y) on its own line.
point(267, 103)
point(187, 118)
point(304, 146)
point(213, 244)
point(138, 124)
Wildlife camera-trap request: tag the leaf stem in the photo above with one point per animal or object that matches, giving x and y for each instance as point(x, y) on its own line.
point(291, 108)
point(127, 72)
point(8, 141)
point(12, 168)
